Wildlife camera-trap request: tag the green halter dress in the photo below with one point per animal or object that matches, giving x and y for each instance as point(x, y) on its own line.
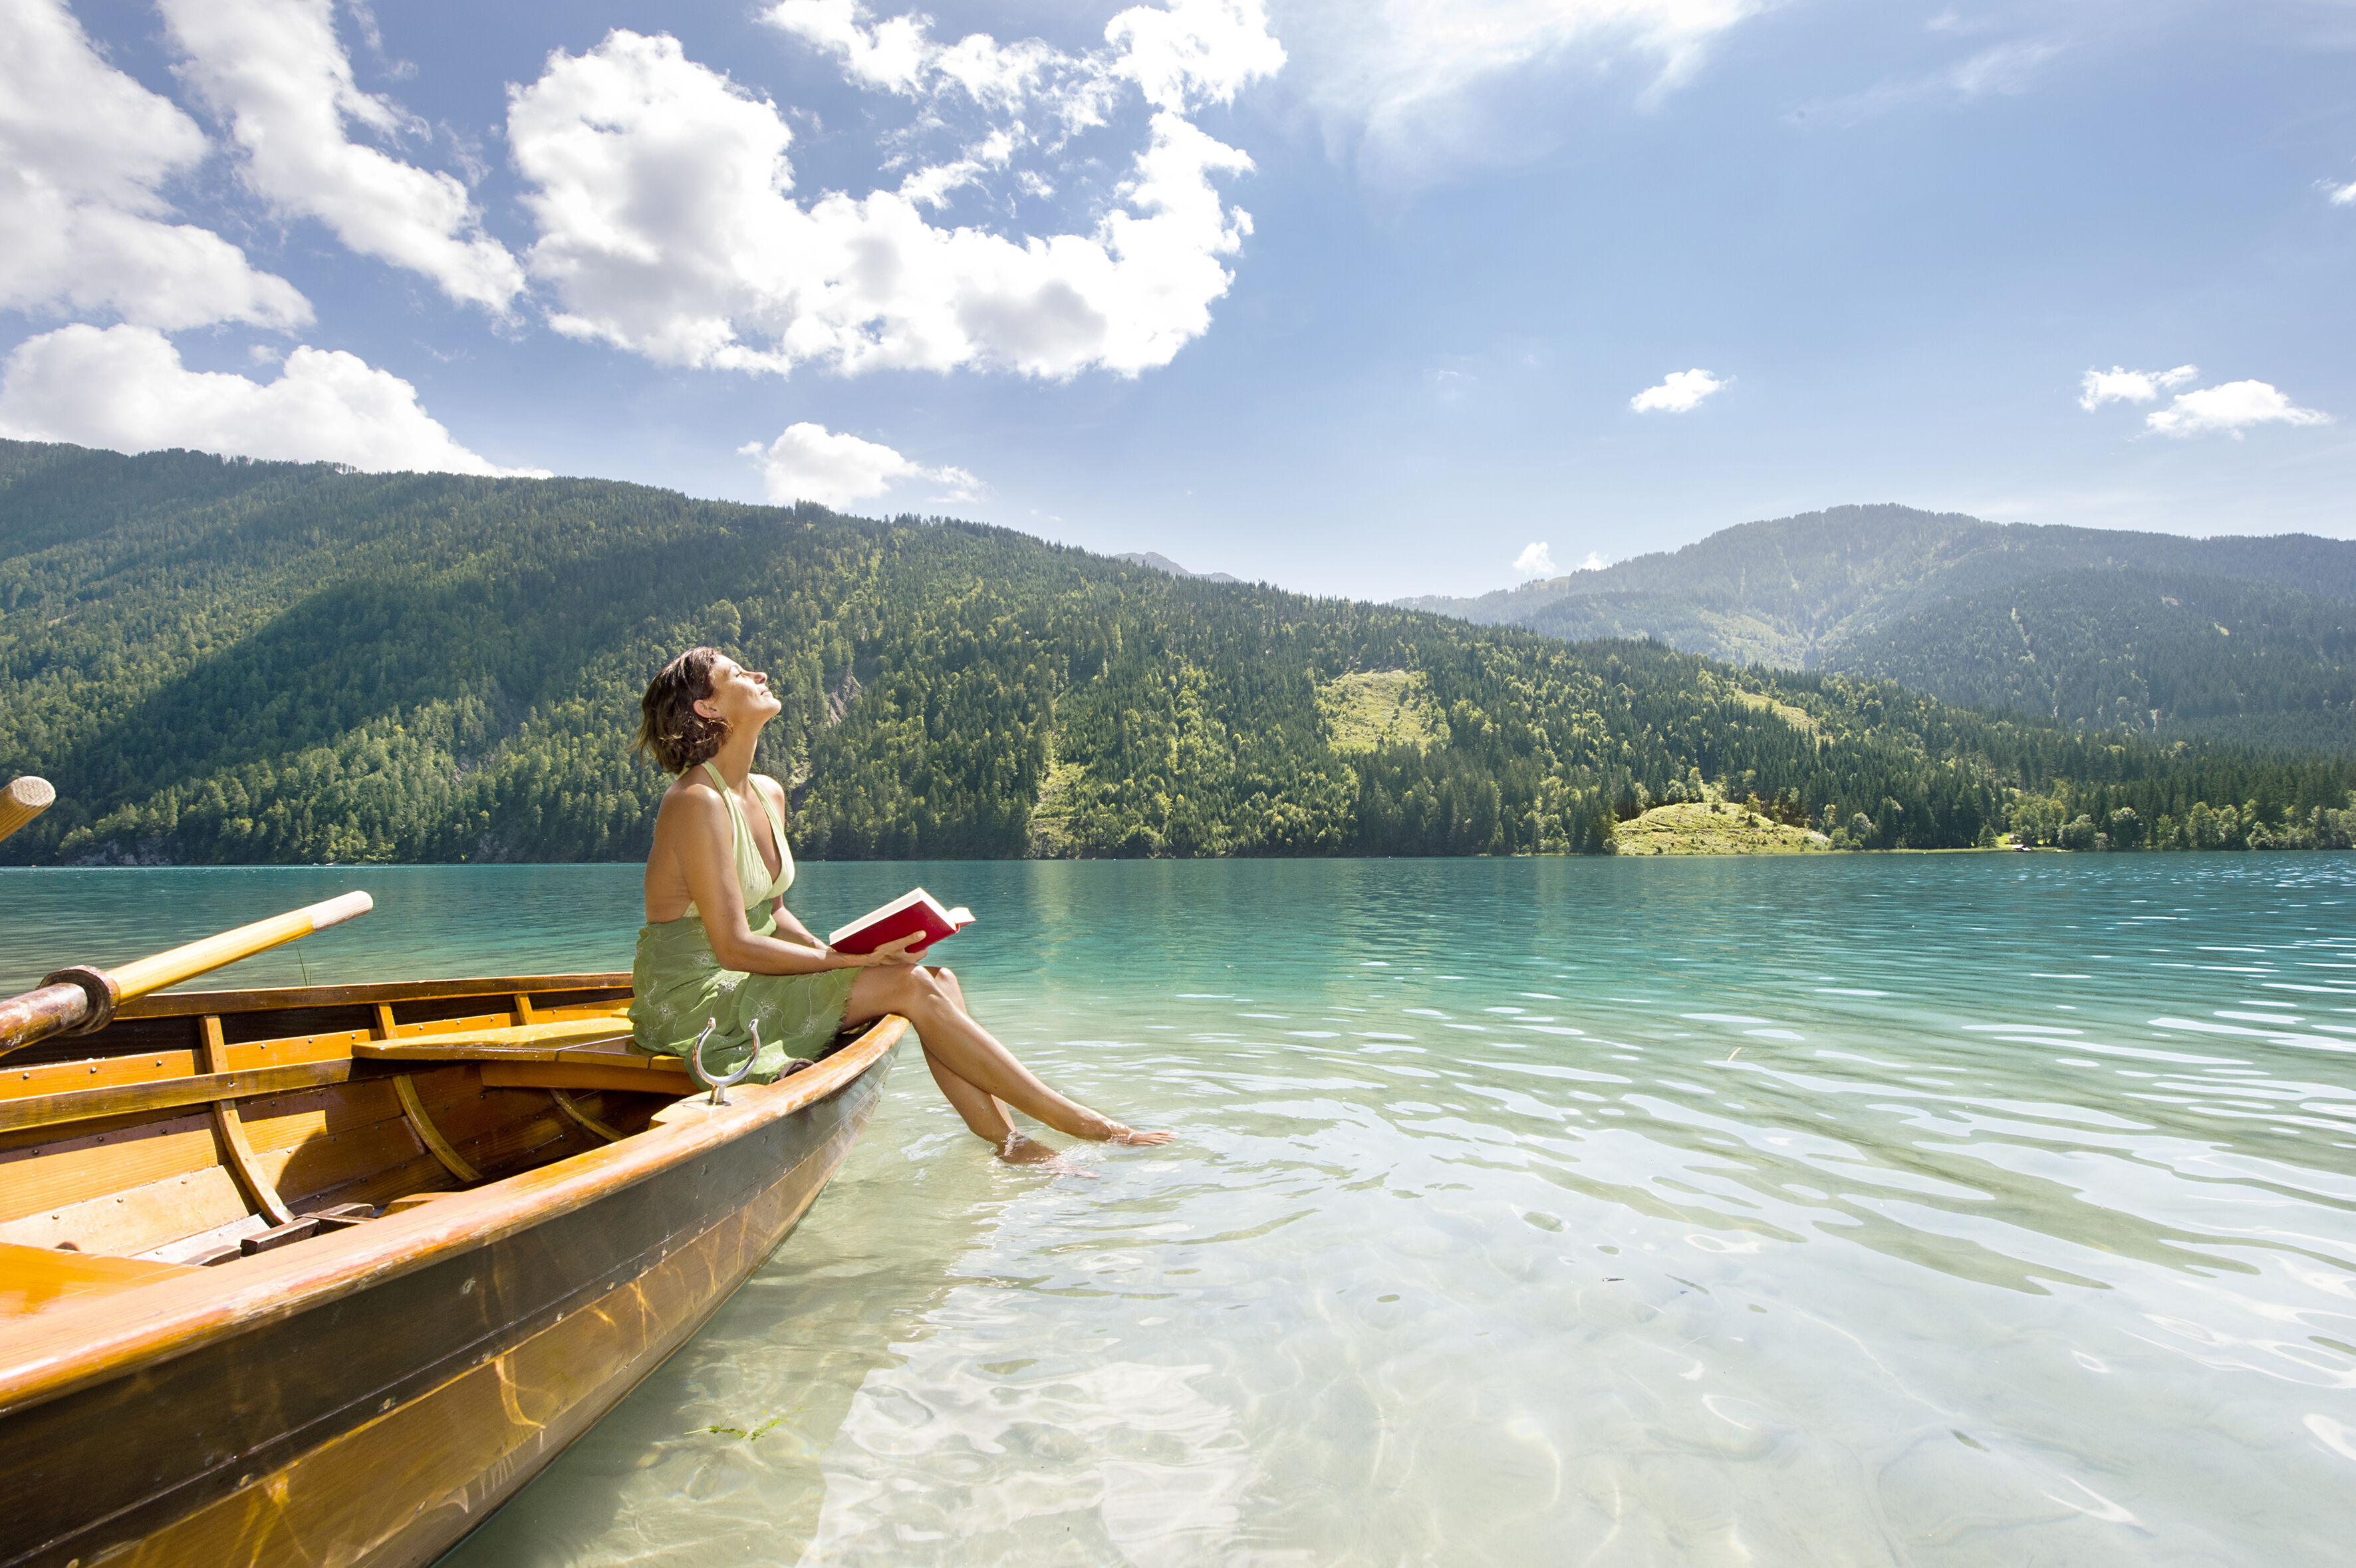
point(679, 982)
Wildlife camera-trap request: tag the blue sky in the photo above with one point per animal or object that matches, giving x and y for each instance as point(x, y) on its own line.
point(1362, 297)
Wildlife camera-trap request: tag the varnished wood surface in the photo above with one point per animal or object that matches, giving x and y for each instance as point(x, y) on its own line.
point(188, 961)
point(25, 798)
point(665, 1075)
point(525, 1042)
point(44, 1359)
point(37, 1015)
point(51, 1092)
point(198, 1088)
point(421, 1121)
point(186, 1003)
point(168, 1021)
point(573, 1111)
point(236, 1149)
point(451, 1387)
point(37, 1279)
point(186, 1390)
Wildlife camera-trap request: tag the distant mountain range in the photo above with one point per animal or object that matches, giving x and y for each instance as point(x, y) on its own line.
point(2242, 638)
point(218, 661)
point(1162, 562)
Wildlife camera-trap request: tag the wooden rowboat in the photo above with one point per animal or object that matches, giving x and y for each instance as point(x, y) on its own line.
point(323, 1274)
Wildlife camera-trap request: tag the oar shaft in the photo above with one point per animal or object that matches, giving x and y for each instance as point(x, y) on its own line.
point(84, 997)
point(24, 799)
point(140, 976)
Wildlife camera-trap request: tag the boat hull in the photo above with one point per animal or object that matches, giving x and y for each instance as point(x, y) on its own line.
point(376, 1425)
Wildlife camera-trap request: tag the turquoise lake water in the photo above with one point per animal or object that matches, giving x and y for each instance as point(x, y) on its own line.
point(1865, 1209)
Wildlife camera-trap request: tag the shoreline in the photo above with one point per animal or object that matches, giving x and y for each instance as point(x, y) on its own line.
point(1815, 851)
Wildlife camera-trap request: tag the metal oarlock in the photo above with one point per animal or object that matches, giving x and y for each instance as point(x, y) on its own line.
point(703, 1074)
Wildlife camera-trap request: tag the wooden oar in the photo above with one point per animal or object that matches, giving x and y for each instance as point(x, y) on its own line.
point(83, 998)
point(25, 798)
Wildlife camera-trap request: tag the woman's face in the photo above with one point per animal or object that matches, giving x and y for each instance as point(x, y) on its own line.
point(738, 695)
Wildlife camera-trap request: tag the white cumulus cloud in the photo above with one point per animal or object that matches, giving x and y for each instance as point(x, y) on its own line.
point(84, 152)
point(1680, 391)
point(2232, 408)
point(1193, 51)
point(896, 54)
point(661, 190)
point(2340, 195)
point(125, 388)
point(275, 73)
point(809, 462)
point(2118, 384)
point(1178, 55)
point(1535, 560)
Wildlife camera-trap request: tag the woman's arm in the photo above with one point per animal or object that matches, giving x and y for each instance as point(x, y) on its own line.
point(695, 824)
point(791, 929)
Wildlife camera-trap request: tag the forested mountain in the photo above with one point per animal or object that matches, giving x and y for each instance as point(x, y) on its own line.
point(222, 661)
point(2159, 653)
point(1911, 595)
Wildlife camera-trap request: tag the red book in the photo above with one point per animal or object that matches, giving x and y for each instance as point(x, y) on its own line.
point(916, 911)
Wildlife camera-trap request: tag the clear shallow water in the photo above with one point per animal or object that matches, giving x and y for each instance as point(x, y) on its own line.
point(1950, 1209)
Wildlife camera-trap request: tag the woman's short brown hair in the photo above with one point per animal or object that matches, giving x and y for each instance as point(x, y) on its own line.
point(668, 727)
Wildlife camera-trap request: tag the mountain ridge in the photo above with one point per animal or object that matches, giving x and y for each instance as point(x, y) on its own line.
point(1869, 589)
point(219, 661)
point(1162, 562)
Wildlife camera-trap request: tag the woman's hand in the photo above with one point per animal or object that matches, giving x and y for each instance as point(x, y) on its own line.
point(897, 952)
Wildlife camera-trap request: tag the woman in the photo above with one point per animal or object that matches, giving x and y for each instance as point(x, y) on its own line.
point(719, 943)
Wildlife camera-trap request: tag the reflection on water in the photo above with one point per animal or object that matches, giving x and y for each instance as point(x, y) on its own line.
point(1952, 1209)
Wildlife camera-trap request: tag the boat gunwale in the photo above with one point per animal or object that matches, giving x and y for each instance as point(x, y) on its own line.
point(125, 1331)
point(282, 998)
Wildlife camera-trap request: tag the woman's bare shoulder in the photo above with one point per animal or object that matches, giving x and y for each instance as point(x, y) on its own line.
point(690, 799)
point(769, 786)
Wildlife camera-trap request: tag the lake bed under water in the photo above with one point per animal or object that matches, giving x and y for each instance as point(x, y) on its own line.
point(1868, 1209)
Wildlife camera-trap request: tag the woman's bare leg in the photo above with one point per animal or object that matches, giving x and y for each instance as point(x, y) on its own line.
point(974, 1071)
point(983, 1113)
point(986, 1118)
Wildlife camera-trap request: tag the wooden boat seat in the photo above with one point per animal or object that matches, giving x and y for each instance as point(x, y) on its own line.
point(613, 1066)
point(570, 1053)
point(34, 1279)
point(565, 1053)
point(520, 1042)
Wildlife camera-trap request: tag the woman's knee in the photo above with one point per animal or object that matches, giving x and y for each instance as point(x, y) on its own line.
point(915, 987)
point(891, 991)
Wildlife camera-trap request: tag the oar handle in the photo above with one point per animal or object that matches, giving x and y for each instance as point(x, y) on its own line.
point(84, 998)
point(24, 799)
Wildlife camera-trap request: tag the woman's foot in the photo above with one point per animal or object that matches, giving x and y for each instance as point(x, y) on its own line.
point(1098, 1128)
point(1136, 1140)
point(1018, 1150)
